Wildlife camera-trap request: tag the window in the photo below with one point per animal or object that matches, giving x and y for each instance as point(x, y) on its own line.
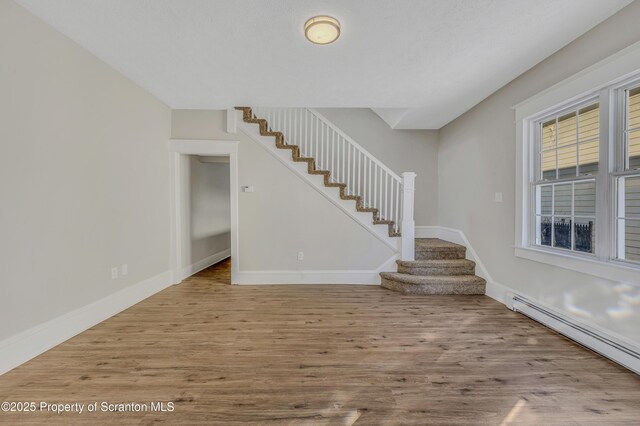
point(585, 177)
point(577, 175)
point(628, 181)
point(568, 146)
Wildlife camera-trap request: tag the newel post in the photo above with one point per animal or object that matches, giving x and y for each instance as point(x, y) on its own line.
point(408, 228)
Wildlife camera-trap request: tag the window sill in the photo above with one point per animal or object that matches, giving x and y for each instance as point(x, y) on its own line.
point(612, 270)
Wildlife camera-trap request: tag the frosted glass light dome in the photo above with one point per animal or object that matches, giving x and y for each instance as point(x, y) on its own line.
point(322, 29)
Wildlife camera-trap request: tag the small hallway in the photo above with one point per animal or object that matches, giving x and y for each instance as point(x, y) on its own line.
point(323, 354)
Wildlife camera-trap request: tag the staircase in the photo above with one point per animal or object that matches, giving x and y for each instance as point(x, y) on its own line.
point(440, 268)
point(312, 168)
point(342, 162)
point(426, 265)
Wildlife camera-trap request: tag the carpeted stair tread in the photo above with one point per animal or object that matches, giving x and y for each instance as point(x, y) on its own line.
point(336, 184)
point(436, 262)
point(429, 244)
point(303, 159)
point(320, 172)
point(437, 267)
point(433, 284)
point(367, 209)
point(435, 248)
point(431, 279)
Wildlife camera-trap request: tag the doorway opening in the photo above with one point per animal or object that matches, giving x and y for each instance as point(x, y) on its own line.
point(205, 203)
point(207, 219)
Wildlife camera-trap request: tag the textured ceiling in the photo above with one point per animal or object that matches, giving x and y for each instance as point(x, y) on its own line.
point(419, 64)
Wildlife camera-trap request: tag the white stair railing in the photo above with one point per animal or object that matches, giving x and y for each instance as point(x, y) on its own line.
point(349, 163)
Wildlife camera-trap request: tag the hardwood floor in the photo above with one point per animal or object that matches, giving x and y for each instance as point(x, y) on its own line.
point(316, 355)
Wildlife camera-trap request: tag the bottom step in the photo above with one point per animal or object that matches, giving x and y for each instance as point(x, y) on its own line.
point(434, 284)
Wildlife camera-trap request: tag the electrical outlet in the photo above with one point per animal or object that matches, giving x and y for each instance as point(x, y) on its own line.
point(498, 197)
point(300, 255)
point(124, 269)
point(114, 273)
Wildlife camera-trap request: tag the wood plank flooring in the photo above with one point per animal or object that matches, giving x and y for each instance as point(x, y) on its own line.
point(323, 355)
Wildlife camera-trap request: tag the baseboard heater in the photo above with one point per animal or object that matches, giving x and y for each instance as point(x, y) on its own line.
point(622, 353)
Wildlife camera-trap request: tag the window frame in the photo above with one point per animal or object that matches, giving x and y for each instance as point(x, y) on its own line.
point(619, 169)
point(535, 179)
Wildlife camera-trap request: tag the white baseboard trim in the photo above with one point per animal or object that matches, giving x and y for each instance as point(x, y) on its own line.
point(363, 277)
point(30, 343)
point(307, 277)
point(198, 266)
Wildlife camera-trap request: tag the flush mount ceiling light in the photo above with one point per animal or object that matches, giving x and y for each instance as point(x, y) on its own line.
point(322, 29)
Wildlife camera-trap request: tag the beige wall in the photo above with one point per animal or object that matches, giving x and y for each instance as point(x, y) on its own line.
point(84, 178)
point(477, 158)
point(400, 150)
point(284, 215)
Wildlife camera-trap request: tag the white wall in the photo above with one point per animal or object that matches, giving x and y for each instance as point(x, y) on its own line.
point(84, 178)
point(477, 158)
point(209, 219)
point(284, 215)
point(400, 150)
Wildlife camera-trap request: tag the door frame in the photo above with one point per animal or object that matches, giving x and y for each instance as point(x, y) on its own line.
point(178, 149)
